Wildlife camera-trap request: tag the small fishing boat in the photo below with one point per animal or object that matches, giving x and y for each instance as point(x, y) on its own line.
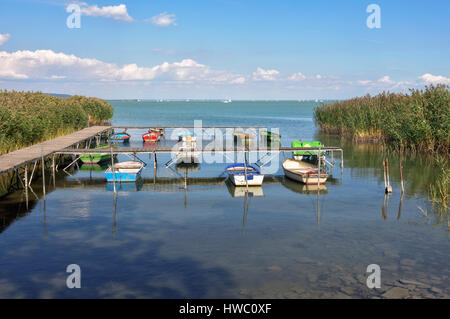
point(299, 155)
point(270, 137)
point(303, 172)
point(124, 171)
point(241, 174)
point(98, 157)
point(187, 137)
point(151, 136)
point(120, 137)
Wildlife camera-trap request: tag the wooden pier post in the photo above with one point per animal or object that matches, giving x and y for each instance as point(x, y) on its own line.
point(155, 160)
point(113, 170)
point(43, 176)
point(318, 167)
point(26, 185)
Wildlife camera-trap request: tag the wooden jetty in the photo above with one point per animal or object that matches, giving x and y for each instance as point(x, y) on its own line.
point(14, 160)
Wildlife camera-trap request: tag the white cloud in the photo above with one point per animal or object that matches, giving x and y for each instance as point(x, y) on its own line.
point(265, 75)
point(238, 80)
point(299, 76)
point(49, 65)
point(386, 80)
point(118, 12)
point(164, 20)
point(434, 79)
point(4, 38)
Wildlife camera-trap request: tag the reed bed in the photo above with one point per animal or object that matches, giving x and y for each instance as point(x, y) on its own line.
point(27, 118)
point(419, 121)
point(414, 122)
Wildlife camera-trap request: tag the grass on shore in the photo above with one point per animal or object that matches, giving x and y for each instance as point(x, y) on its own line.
point(27, 118)
point(419, 121)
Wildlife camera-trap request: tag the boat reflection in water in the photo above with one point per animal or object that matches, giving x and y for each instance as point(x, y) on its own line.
point(94, 167)
point(247, 194)
point(126, 187)
point(240, 191)
point(304, 188)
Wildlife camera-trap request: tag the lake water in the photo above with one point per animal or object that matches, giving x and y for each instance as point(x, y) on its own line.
point(161, 239)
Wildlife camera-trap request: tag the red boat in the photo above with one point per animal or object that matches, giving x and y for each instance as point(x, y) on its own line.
point(151, 136)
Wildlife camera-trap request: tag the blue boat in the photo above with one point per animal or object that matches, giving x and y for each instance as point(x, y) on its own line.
point(120, 137)
point(124, 172)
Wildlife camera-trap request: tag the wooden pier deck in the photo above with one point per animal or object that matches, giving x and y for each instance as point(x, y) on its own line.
point(12, 161)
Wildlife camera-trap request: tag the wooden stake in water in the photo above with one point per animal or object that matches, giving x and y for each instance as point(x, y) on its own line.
point(401, 177)
point(113, 170)
point(318, 169)
point(245, 170)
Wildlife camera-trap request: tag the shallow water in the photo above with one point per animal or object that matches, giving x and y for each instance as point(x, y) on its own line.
point(161, 239)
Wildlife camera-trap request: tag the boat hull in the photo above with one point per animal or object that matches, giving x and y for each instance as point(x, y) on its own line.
point(253, 180)
point(122, 176)
point(151, 137)
point(308, 179)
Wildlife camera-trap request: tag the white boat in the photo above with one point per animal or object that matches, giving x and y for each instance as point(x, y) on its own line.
point(303, 172)
point(240, 175)
point(227, 101)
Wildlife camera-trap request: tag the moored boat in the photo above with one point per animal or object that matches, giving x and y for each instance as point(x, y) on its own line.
point(244, 174)
point(98, 157)
point(270, 137)
point(120, 137)
point(124, 171)
point(151, 136)
point(303, 172)
point(298, 155)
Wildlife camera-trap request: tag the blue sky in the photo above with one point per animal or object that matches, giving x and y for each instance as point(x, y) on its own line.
point(223, 49)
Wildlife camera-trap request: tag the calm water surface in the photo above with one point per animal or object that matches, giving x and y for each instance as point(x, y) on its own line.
point(159, 239)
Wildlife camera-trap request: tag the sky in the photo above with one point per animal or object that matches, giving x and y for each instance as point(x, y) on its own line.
point(224, 49)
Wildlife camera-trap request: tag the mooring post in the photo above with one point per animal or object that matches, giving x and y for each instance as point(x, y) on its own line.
point(53, 171)
point(155, 160)
point(401, 176)
point(26, 185)
point(318, 169)
point(389, 187)
point(113, 170)
point(245, 169)
point(43, 175)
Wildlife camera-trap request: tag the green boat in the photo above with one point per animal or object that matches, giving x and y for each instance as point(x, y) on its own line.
point(97, 158)
point(270, 137)
point(298, 155)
